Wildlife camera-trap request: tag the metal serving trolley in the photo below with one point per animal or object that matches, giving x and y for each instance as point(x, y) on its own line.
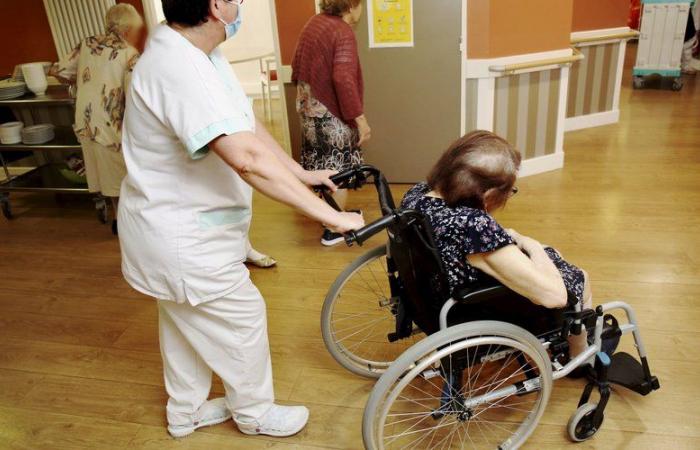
point(661, 38)
point(55, 107)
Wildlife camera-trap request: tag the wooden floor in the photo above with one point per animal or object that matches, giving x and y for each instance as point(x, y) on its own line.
point(79, 360)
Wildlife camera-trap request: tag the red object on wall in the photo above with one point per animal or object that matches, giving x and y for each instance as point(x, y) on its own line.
point(635, 14)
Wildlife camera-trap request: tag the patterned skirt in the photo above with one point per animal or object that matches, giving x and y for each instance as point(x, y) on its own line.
point(573, 277)
point(327, 143)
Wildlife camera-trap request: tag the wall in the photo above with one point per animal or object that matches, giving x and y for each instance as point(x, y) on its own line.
point(497, 28)
point(254, 38)
point(24, 33)
point(600, 14)
point(292, 15)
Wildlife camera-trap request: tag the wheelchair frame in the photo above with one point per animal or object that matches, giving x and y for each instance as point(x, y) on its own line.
point(603, 369)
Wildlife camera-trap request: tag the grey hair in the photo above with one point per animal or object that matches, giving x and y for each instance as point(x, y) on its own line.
point(121, 17)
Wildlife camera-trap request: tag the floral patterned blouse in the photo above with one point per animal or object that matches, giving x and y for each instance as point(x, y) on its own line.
point(459, 232)
point(101, 67)
point(462, 231)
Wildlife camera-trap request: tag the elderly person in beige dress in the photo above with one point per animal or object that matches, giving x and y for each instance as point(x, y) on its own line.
point(101, 68)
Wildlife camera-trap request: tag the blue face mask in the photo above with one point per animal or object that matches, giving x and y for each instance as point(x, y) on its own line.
point(233, 27)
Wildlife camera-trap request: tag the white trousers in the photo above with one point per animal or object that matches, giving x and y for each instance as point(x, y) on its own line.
point(227, 336)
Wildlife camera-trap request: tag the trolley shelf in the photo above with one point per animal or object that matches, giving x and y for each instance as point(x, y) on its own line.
point(55, 95)
point(65, 140)
point(43, 178)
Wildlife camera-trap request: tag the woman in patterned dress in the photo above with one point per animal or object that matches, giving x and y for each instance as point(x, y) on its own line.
point(473, 178)
point(327, 71)
point(101, 67)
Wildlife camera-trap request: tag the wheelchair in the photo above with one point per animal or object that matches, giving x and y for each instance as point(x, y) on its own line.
point(469, 369)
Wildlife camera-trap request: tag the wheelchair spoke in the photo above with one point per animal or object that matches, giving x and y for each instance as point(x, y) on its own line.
point(464, 406)
point(361, 317)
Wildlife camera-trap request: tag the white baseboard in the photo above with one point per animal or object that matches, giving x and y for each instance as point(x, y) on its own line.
point(541, 164)
point(591, 120)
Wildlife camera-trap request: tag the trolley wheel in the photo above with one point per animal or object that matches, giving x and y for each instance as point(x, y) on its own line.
point(581, 426)
point(6, 209)
point(677, 84)
point(638, 82)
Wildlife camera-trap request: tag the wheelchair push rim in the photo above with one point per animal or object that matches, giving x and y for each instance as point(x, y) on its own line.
point(495, 401)
point(358, 314)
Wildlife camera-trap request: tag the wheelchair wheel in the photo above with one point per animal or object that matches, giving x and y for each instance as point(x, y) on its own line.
point(358, 315)
point(492, 383)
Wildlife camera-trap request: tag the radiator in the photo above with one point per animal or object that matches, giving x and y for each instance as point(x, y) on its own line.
point(74, 20)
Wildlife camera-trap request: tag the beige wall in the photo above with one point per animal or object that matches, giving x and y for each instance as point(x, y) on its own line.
point(498, 28)
point(599, 14)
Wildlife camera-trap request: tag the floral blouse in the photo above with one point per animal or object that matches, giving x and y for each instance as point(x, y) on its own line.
point(459, 232)
point(101, 67)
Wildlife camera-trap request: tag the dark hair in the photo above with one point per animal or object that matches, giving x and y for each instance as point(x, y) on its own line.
point(337, 7)
point(186, 12)
point(473, 165)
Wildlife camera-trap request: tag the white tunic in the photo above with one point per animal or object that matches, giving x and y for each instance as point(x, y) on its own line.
point(183, 214)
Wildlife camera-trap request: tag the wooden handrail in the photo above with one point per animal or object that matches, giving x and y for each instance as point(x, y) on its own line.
point(607, 37)
point(510, 69)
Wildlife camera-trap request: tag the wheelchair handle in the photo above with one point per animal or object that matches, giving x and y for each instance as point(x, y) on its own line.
point(363, 234)
point(340, 177)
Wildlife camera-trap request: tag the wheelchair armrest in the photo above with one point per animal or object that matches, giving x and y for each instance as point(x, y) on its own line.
point(482, 294)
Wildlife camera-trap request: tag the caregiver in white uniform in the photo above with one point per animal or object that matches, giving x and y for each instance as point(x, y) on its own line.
point(193, 149)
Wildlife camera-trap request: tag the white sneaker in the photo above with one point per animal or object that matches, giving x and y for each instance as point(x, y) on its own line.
point(212, 412)
point(278, 421)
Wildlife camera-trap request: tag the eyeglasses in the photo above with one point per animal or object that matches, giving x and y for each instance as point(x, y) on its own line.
point(234, 2)
point(513, 191)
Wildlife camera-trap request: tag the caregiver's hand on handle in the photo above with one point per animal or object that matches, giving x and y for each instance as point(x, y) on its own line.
point(314, 178)
point(265, 170)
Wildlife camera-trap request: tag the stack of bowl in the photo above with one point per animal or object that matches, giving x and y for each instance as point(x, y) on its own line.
point(11, 133)
point(10, 89)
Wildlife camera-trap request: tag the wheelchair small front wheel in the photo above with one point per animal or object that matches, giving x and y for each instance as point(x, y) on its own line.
point(490, 384)
point(581, 426)
point(358, 315)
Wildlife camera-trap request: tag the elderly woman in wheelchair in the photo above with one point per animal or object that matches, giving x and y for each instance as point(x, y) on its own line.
point(465, 323)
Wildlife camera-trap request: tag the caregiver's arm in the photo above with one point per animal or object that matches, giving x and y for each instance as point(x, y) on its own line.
point(309, 178)
point(536, 277)
point(262, 169)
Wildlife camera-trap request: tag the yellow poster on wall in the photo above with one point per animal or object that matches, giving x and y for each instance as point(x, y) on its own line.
point(390, 23)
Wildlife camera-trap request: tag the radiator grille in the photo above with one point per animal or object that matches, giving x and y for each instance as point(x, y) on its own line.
point(73, 20)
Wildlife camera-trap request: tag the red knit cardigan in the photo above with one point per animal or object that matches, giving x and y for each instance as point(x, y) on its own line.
point(326, 58)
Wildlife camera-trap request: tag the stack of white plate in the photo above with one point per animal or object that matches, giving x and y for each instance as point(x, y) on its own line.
point(11, 133)
point(38, 134)
point(10, 89)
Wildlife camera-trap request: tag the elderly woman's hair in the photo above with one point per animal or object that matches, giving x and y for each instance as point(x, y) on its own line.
point(337, 7)
point(186, 12)
point(473, 165)
point(121, 17)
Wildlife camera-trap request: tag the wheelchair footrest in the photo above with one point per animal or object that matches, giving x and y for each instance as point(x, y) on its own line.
point(626, 371)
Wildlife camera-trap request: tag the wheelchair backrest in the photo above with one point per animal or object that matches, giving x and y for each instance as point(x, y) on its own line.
point(423, 280)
